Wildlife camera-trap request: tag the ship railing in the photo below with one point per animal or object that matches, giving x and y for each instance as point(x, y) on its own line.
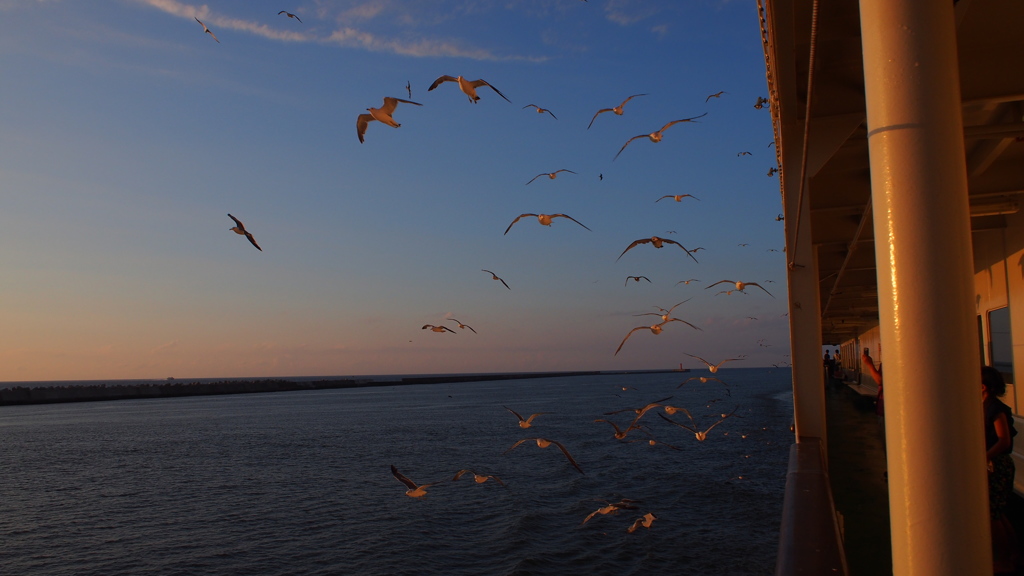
point(810, 539)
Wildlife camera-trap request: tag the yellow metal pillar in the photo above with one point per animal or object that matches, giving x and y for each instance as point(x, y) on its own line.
point(789, 118)
point(805, 338)
point(937, 478)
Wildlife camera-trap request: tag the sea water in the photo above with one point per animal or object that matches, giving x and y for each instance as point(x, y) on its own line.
point(300, 482)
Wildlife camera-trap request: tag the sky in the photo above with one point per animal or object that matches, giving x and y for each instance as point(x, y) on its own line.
point(127, 135)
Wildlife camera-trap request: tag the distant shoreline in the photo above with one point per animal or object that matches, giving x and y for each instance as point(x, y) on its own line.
point(21, 395)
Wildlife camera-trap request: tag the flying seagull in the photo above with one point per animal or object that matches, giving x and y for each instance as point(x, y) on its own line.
point(467, 87)
point(656, 136)
point(463, 326)
point(495, 277)
point(663, 312)
point(655, 329)
point(240, 229)
point(382, 114)
point(541, 110)
point(703, 380)
point(658, 243)
point(712, 367)
point(715, 95)
point(544, 219)
point(617, 109)
point(289, 14)
point(677, 197)
point(550, 175)
point(646, 520)
point(478, 478)
point(700, 434)
point(414, 491)
point(666, 315)
point(408, 88)
point(641, 411)
point(651, 440)
point(674, 409)
point(741, 285)
point(544, 443)
point(207, 30)
point(524, 423)
point(437, 328)
point(619, 433)
point(611, 508)
point(636, 279)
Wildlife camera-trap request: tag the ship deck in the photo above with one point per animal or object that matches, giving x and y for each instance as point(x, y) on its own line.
point(856, 459)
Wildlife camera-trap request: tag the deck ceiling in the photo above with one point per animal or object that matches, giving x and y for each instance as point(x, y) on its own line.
point(991, 54)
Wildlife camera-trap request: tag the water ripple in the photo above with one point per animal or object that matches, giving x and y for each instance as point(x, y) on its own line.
point(299, 483)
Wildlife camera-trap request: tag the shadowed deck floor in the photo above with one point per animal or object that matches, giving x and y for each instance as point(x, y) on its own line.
point(856, 456)
point(856, 450)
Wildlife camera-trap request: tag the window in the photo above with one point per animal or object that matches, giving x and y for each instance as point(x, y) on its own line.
point(1000, 342)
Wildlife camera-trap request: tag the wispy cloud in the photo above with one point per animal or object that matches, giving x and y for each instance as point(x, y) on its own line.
point(364, 11)
point(178, 9)
point(627, 12)
point(350, 37)
point(260, 29)
point(210, 18)
point(346, 36)
point(408, 13)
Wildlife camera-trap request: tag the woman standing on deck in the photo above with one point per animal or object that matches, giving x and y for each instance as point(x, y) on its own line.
point(999, 433)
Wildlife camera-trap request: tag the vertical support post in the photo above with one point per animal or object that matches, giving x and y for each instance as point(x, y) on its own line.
point(805, 332)
point(937, 480)
point(802, 277)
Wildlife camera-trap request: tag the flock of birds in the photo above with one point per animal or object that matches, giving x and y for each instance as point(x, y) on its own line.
point(469, 88)
point(637, 425)
point(384, 114)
